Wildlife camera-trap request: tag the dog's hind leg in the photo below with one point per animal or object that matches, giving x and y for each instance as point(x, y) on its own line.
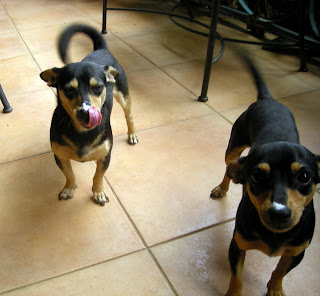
point(125, 103)
point(285, 264)
point(99, 193)
point(69, 188)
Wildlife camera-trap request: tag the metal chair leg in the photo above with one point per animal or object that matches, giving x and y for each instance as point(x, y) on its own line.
point(104, 17)
point(7, 108)
point(302, 53)
point(212, 36)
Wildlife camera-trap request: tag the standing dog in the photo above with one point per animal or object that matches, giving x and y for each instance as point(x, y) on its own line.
point(279, 177)
point(80, 127)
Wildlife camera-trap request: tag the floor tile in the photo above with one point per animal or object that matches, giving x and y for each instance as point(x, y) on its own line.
point(42, 237)
point(20, 75)
point(156, 100)
point(25, 131)
point(32, 14)
point(291, 63)
point(238, 88)
point(45, 38)
point(233, 114)
point(224, 93)
point(11, 45)
point(93, 8)
point(129, 59)
point(305, 108)
point(6, 25)
point(134, 274)
point(198, 265)
point(49, 59)
point(139, 23)
point(170, 47)
point(165, 181)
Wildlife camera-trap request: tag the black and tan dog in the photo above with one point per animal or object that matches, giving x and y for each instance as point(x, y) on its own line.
point(279, 177)
point(80, 128)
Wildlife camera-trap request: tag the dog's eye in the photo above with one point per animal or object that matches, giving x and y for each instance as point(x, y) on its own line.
point(303, 177)
point(259, 177)
point(70, 91)
point(97, 88)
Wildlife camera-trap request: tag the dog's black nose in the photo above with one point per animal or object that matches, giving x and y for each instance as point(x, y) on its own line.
point(279, 213)
point(83, 115)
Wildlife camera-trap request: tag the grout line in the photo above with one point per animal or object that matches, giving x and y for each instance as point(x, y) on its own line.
point(18, 32)
point(164, 275)
point(148, 248)
point(127, 215)
point(193, 232)
point(166, 124)
point(24, 158)
point(142, 239)
point(162, 70)
point(70, 272)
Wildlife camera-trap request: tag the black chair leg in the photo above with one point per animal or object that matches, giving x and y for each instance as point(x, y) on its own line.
point(104, 17)
point(6, 106)
point(302, 53)
point(211, 40)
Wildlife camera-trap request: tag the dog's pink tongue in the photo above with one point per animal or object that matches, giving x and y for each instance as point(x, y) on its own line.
point(94, 117)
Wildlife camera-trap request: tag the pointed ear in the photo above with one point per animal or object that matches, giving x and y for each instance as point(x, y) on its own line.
point(50, 76)
point(235, 170)
point(111, 73)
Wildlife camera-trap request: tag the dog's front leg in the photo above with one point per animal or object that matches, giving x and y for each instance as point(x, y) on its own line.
point(285, 264)
point(236, 261)
point(125, 103)
point(99, 193)
point(231, 155)
point(69, 188)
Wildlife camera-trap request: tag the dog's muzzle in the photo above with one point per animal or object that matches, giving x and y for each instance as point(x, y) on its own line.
point(279, 216)
point(90, 117)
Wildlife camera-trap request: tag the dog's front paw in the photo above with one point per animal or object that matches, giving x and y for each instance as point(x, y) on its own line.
point(218, 192)
point(100, 197)
point(275, 289)
point(67, 193)
point(132, 139)
point(276, 293)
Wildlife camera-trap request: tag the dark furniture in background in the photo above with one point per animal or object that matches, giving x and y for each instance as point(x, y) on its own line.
point(299, 10)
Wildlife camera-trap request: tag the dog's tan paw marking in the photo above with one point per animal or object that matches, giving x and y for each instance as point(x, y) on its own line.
point(275, 289)
point(67, 193)
point(132, 139)
point(100, 197)
point(217, 192)
point(275, 293)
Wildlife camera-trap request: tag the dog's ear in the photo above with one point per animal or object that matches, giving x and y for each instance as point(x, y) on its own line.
point(318, 163)
point(236, 170)
point(50, 76)
point(111, 74)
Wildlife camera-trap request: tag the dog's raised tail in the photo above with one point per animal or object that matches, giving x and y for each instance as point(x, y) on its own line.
point(66, 35)
point(263, 89)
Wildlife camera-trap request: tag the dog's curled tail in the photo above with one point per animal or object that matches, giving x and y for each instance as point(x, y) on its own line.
point(263, 89)
point(66, 35)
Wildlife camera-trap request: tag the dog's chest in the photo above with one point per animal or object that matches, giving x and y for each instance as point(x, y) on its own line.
point(282, 250)
point(88, 152)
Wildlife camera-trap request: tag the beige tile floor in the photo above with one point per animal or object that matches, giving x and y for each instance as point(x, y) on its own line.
point(160, 234)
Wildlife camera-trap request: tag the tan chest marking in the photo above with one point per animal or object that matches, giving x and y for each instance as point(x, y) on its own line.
point(285, 250)
point(89, 152)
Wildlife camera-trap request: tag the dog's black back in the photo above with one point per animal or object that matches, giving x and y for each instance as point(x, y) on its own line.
point(266, 120)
